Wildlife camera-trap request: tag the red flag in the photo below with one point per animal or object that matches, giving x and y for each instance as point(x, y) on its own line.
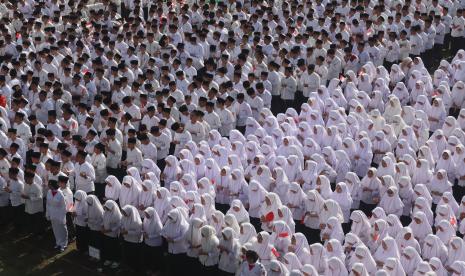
point(375, 237)
point(269, 217)
point(283, 235)
point(18, 35)
point(302, 221)
point(275, 252)
point(453, 221)
point(213, 181)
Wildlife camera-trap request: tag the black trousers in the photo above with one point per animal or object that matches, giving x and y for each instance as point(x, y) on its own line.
point(161, 164)
point(18, 217)
point(100, 190)
point(95, 239)
point(131, 255)
point(455, 45)
point(277, 105)
point(35, 223)
point(70, 226)
point(152, 258)
point(111, 249)
point(367, 208)
point(82, 238)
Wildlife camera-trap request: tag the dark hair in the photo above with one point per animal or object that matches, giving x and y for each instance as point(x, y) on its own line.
point(251, 255)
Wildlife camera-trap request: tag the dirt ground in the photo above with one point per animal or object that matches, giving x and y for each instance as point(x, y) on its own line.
point(27, 254)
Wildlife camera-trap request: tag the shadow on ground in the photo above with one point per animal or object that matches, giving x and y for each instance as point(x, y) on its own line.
point(28, 254)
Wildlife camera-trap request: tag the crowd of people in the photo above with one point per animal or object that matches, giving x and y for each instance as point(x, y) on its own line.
point(248, 137)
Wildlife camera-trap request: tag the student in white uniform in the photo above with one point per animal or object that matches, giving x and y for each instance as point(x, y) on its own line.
point(15, 187)
point(80, 221)
point(153, 241)
point(111, 227)
point(84, 174)
point(56, 214)
point(34, 207)
point(131, 231)
point(64, 187)
point(174, 232)
point(94, 221)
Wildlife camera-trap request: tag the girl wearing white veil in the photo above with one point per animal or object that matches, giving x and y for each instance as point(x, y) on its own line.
point(112, 188)
point(421, 204)
point(369, 188)
point(152, 227)
point(362, 255)
point(256, 197)
point(393, 108)
point(433, 247)
point(393, 266)
point(147, 196)
point(277, 268)
point(446, 162)
point(162, 203)
point(360, 225)
point(437, 115)
point(420, 226)
point(406, 193)
point(336, 267)
point(437, 267)
point(174, 232)
point(344, 199)
point(388, 249)
point(209, 251)
point(456, 252)
point(401, 92)
point(332, 230)
point(111, 227)
point(247, 233)
point(295, 200)
point(80, 221)
point(358, 269)
point(172, 170)
point(391, 202)
point(131, 230)
point(405, 239)
point(238, 210)
point(130, 192)
point(94, 221)
point(229, 248)
point(445, 231)
point(281, 236)
point(353, 184)
point(409, 260)
point(363, 157)
point(318, 259)
point(439, 185)
point(264, 249)
point(394, 225)
point(313, 206)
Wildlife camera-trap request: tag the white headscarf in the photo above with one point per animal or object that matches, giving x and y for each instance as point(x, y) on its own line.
point(318, 259)
point(94, 212)
point(393, 266)
point(410, 260)
point(238, 210)
point(113, 188)
point(112, 215)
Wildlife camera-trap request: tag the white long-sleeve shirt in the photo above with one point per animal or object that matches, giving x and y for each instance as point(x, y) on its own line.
point(56, 206)
point(288, 88)
point(34, 203)
point(162, 143)
point(310, 83)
